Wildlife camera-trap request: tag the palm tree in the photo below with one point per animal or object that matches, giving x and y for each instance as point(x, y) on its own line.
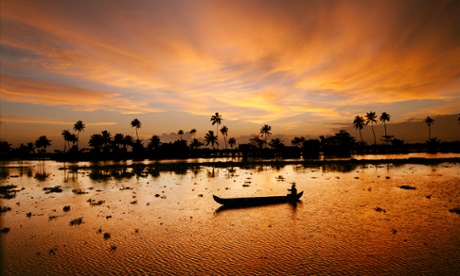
point(231, 142)
point(276, 144)
point(5, 148)
point(42, 142)
point(265, 131)
point(385, 117)
point(78, 127)
point(224, 131)
point(217, 120)
point(154, 142)
point(358, 123)
point(196, 144)
point(371, 118)
point(30, 147)
point(72, 138)
point(128, 140)
point(96, 141)
point(429, 121)
point(298, 141)
point(66, 134)
point(210, 138)
point(118, 141)
point(107, 140)
point(136, 124)
point(193, 132)
point(180, 133)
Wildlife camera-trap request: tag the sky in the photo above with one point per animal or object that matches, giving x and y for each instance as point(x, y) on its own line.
point(306, 68)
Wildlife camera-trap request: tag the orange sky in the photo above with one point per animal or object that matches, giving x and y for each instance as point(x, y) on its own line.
point(303, 67)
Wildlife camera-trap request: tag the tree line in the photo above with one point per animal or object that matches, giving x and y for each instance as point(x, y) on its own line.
point(104, 145)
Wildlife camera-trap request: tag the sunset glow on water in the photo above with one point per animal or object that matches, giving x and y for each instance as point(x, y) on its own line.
point(142, 220)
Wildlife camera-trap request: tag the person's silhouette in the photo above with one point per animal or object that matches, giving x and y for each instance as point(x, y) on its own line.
point(293, 190)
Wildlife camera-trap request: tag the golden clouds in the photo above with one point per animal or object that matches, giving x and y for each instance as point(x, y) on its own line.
point(257, 61)
point(45, 93)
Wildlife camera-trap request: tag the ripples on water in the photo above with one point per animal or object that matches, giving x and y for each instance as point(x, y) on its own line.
point(165, 222)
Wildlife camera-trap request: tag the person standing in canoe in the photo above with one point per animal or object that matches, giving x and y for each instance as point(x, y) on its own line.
point(293, 190)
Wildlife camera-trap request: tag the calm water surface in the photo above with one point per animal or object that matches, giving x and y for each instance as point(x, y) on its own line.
point(147, 220)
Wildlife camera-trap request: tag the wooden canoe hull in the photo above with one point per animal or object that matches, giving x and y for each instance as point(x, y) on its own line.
point(256, 201)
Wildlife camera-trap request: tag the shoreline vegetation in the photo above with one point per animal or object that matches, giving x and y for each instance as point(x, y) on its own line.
point(105, 146)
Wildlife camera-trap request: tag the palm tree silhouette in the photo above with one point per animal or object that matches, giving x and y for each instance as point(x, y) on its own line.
point(193, 132)
point(79, 126)
point(231, 142)
point(96, 141)
point(385, 117)
point(370, 118)
point(118, 140)
point(136, 124)
point(196, 144)
point(429, 121)
point(210, 138)
point(107, 140)
point(358, 123)
point(72, 138)
point(180, 133)
point(298, 141)
point(224, 131)
point(217, 120)
point(276, 144)
point(265, 131)
point(154, 142)
point(66, 134)
point(42, 142)
point(128, 141)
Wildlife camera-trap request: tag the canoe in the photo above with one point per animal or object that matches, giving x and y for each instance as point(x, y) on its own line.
point(256, 201)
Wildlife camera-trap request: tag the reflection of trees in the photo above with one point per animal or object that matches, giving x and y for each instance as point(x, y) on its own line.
point(211, 173)
point(120, 172)
point(41, 173)
point(4, 172)
point(339, 167)
point(41, 176)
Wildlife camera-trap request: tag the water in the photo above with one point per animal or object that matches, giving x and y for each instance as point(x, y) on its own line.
point(163, 220)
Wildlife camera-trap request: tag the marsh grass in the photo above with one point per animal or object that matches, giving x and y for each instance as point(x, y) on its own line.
point(5, 230)
point(455, 210)
point(407, 187)
point(79, 192)
point(76, 221)
point(4, 209)
point(93, 202)
point(8, 192)
point(55, 189)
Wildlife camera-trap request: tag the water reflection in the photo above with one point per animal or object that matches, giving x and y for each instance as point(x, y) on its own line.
point(293, 206)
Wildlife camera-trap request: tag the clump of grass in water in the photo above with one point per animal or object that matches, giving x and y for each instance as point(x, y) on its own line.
point(407, 187)
point(455, 210)
point(56, 189)
point(79, 192)
point(76, 221)
point(4, 209)
point(8, 192)
point(106, 235)
point(93, 202)
point(66, 208)
point(5, 230)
